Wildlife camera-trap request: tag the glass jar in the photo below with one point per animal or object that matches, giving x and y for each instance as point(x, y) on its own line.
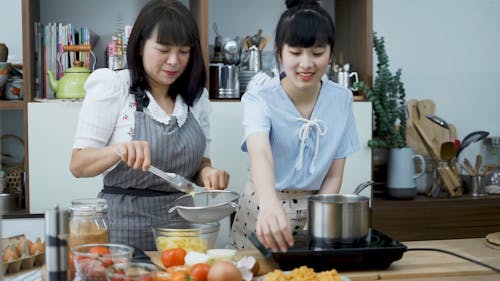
point(87, 222)
point(490, 150)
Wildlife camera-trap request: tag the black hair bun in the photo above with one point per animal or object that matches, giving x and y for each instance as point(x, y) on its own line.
point(292, 3)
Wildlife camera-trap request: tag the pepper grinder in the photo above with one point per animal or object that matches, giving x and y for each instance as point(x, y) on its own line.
point(56, 236)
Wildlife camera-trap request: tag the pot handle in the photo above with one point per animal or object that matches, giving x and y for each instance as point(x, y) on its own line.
point(77, 48)
point(232, 204)
point(172, 209)
point(362, 186)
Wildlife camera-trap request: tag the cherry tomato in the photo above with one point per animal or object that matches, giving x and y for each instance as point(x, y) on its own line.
point(174, 256)
point(99, 250)
point(180, 276)
point(107, 263)
point(199, 271)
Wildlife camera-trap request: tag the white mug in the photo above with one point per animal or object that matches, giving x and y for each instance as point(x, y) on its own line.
point(401, 172)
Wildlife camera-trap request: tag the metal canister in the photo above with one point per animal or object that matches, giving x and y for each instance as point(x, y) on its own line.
point(88, 223)
point(14, 90)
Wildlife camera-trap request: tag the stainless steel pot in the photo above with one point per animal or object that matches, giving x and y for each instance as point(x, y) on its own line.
point(336, 218)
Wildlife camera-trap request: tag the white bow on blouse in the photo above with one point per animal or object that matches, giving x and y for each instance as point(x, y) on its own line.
point(304, 131)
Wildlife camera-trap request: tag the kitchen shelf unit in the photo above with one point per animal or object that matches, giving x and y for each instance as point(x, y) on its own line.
point(27, 7)
point(354, 34)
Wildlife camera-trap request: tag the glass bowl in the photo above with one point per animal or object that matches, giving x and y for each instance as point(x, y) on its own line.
point(190, 236)
point(92, 260)
point(132, 271)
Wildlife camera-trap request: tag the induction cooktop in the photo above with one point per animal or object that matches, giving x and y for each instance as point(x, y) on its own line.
point(378, 251)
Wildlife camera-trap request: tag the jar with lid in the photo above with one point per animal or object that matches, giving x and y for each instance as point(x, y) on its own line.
point(87, 222)
point(490, 150)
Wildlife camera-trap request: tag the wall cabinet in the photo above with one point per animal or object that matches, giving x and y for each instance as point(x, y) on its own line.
point(354, 41)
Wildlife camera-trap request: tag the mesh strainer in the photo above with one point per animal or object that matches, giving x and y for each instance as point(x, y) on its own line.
point(206, 206)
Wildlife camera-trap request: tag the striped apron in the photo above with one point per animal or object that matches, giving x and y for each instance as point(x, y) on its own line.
point(137, 200)
point(294, 203)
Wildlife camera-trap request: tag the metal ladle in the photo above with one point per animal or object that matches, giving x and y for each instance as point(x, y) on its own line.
point(470, 139)
point(440, 121)
point(448, 150)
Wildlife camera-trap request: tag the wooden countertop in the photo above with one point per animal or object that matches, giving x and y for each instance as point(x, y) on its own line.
point(419, 265)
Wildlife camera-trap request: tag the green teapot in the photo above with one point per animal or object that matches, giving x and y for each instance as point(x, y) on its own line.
point(70, 86)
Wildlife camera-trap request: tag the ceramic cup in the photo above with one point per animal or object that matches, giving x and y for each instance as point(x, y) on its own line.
point(4, 52)
point(401, 172)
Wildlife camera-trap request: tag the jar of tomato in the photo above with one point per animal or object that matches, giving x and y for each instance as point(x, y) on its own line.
point(87, 222)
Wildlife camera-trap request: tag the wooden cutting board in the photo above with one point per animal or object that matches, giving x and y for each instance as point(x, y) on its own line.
point(412, 137)
point(417, 112)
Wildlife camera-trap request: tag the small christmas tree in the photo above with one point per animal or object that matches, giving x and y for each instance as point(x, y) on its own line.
point(388, 99)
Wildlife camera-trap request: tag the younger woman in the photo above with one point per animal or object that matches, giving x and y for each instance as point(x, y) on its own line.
point(299, 129)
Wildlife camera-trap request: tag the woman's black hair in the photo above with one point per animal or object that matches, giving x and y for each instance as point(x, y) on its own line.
point(304, 24)
point(175, 26)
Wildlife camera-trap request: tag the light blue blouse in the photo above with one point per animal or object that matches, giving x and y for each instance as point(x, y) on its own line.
point(303, 150)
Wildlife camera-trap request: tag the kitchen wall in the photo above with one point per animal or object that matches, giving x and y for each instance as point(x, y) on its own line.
point(10, 34)
point(449, 52)
point(11, 29)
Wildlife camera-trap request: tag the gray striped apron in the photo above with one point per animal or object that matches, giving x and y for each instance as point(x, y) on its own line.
point(137, 200)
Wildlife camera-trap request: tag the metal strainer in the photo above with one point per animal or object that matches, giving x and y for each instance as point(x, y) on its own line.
point(206, 206)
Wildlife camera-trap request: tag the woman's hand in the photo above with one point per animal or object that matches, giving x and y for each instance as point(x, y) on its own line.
point(214, 179)
point(273, 228)
point(136, 154)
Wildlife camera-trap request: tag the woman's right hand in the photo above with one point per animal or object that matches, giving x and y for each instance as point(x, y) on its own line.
point(136, 154)
point(273, 228)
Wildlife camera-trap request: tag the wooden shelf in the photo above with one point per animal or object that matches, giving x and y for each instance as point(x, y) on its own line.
point(12, 105)
point(426, 218)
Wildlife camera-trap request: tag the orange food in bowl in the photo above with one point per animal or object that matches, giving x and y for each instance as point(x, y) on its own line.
point(92, 260)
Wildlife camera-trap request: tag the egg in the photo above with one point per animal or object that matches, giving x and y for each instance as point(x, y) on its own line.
point(224, 271)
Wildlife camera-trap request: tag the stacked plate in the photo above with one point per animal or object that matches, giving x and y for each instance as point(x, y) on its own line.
point(245, 77)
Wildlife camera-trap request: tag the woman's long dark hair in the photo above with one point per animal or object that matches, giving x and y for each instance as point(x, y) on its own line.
point(175, 26)
point(304, 24)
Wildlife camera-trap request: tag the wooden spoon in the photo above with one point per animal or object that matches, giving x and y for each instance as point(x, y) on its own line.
point(479, 162)
point(448, 151)
point(468, 167)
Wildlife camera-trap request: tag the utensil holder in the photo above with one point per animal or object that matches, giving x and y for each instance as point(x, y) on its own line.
point(477, 186)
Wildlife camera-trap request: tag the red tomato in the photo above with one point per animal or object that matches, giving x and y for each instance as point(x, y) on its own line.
point(199, 271)
point(174, 256)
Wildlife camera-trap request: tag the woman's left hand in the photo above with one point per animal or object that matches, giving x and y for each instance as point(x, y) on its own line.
point(213, 178)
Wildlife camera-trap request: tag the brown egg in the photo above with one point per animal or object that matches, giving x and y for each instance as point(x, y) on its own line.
point(224, 271)
point(20, 246)
point(37, 247)
point(9, 254)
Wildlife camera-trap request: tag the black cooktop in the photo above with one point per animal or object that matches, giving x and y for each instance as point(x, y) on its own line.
point(377, 252)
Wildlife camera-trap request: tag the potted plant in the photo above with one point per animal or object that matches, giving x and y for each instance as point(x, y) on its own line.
point(388, 98)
